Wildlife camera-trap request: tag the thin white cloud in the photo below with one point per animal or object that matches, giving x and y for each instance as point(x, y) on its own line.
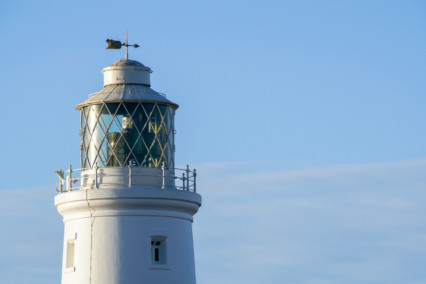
point(299, 226)
point(31, 239)
point(339, 224)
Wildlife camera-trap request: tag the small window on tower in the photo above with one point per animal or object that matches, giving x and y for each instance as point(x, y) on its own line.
point(158, 250)
point(70, 254)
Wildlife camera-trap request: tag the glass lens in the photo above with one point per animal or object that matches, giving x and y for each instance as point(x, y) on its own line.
point(119, 134)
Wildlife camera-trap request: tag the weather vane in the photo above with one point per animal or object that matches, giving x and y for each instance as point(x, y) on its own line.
point(116, 44)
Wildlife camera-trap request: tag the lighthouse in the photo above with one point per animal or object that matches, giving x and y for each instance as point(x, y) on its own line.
point(128, 211)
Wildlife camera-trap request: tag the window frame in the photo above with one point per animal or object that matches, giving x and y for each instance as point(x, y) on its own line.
point(158, 244)
point(69, 262)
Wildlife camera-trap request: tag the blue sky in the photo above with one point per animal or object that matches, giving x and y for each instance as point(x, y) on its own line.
point(303, 118)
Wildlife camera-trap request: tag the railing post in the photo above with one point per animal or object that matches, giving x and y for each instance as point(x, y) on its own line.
point(96, 176)
point(163, 169)
point(195, 180)
point(183, 181)
point(130, 173)
point(61, 185)
point(187, 177)
point(69, 180)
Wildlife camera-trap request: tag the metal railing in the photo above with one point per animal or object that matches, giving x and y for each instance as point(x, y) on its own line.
point(66, 180)
point(189, 181)
point(185, 182)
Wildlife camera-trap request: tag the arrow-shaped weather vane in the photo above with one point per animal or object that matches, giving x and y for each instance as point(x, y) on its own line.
point(115, 44)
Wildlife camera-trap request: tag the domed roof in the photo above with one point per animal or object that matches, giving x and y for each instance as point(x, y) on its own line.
point(126, 71)
point(126, 93)
point(127, 81)
point(127, 62)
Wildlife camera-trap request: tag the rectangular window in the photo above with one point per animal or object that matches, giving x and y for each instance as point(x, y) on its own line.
point(158, 250)
point(70, 254)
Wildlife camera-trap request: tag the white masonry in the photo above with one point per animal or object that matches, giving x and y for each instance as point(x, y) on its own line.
point(128, 214)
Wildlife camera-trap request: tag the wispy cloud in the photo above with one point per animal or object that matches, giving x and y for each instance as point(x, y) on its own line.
point(31, 238)
point(337, 224)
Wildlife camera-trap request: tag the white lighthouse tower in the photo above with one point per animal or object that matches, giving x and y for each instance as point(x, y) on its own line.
point(128, 214)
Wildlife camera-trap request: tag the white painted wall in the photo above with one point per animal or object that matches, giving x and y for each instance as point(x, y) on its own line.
point(127, 74)
point(112, 229)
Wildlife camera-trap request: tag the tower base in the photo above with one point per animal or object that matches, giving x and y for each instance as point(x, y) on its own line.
point(128, 235)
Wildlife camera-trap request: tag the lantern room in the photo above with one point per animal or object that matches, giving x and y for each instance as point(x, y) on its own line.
point(127, 123)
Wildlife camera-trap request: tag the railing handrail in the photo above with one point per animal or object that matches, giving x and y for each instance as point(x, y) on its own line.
point(188, 178)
